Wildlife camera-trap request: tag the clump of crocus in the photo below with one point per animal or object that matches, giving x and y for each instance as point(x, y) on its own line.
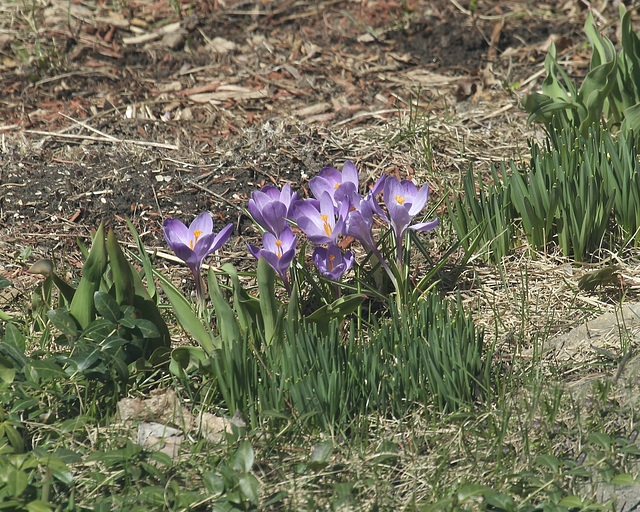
point(320, 219)
point(330, 180)
point(271, 207)
point(278, 251)
point(194, 243)
point(404, 201)
point(330, 261)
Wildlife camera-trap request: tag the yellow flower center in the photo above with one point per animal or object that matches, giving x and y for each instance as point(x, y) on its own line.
point(279, 253)
point(327, 227)
point(400, 199)
point(331, 258)
point(196, 234)
point(336, 185)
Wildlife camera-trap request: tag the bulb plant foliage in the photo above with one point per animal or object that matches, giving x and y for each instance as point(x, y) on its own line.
point(610, 91)
point(267, 352)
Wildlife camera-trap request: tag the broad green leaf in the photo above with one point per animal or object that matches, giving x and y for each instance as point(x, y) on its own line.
point(63, 321)
point(549, 461)
point(86, 358)
point(571, 502)
point(38, 506)
point(601, 439)
point(337, 310)
point(243, 457)
point(46, 369)
point(7, 370)
point(471, 492)
point(14, 338)
point(82, 306)
point(187, 356)
point(106, 306)
point(623, 479)
point(16, 480)
point(321, 454)
point(213, 483)
point(121, 271)
point(632, 119)
point(4, 283)
point(147, 328)
point(249, 487)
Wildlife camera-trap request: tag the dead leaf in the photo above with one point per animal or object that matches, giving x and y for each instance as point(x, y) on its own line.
point(158, 437)
point(164, 407)
point(213, 427)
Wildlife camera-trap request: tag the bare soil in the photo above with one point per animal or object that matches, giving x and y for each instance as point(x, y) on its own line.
point(145, 110)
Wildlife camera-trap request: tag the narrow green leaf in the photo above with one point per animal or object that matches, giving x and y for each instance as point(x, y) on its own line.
point(269, 306)
point(187, 318)
point(227, 324)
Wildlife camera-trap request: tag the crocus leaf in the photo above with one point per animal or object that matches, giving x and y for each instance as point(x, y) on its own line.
point(187, 318)
point(226, 319)
point(338, 309)
point(268, 302)
point(241, 298)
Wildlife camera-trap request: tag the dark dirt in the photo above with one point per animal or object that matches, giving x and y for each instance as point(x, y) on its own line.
point(291, 87)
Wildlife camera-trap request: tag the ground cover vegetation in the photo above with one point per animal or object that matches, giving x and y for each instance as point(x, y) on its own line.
point(339, 350)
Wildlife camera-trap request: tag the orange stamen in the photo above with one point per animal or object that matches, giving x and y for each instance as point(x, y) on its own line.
point(327, 227)
point(196, 234)
point(400, 199)
point(279, 253)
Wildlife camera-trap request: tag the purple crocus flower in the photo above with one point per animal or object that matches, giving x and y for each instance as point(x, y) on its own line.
point(278, 251)
point(329, 180)
point(404, 201)
point(194, 243)
point(320, 219)
point(331, 262)
point(271, 207)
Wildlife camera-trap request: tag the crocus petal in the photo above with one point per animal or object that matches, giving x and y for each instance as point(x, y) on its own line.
point(254, 250)
point(317, 223)
point(221, 238)
point(425, 226)
point(277, 251)
point(358, 226)
point(419, 201)
point(175, 232)
point(203, 224)
point(331, 263)
point(350, 173)
point(378, 185)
